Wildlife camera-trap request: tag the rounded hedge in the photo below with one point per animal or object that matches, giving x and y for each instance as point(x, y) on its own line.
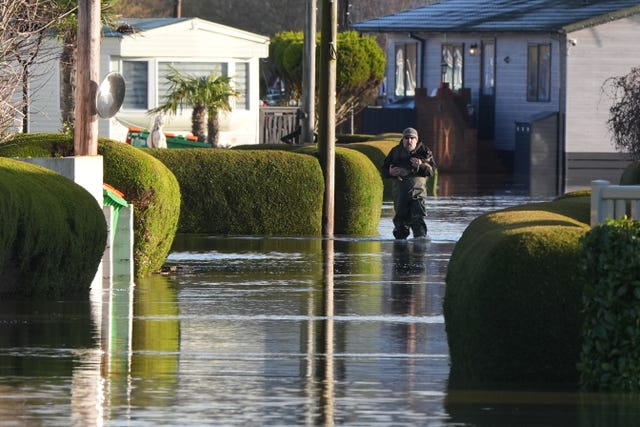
point(631, 174)
point(358, 187)
point(254, 192)
point(512, 303)
point(376, 151)
point(358, 196)
point(358, 192)
point(155, 194)
point(52, 235)
point(145, 182)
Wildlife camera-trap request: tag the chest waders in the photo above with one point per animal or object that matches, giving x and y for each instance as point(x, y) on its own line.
point(410, 206)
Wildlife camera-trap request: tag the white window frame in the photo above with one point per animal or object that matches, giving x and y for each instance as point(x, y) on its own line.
point(157, 68)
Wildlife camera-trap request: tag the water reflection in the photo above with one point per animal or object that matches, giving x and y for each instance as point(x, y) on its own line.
point(325, 373)
point(49, 357)
point(271, 331)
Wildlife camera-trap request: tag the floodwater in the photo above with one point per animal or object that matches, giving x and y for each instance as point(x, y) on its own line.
point(273, 331)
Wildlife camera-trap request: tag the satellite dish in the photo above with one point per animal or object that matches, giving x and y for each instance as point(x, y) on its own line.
point(110, 95)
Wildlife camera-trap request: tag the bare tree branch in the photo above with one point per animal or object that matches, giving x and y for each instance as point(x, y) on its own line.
point(24, 25)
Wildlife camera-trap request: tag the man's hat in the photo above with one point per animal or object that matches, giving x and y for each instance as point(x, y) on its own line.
point(410, 132)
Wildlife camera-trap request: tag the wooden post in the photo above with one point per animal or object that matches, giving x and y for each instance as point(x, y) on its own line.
point(85, 141)
point(327, 113)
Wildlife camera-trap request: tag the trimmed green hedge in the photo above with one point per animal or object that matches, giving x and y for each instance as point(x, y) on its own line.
point(375, 148)
point(247, 191)
point(145, 182)
point(610, 270)
point(358, 195)
point(512, 303)
point(376, 151)
point(155, 194)
point(358, 192)
point(52, 234)
point(347, 138)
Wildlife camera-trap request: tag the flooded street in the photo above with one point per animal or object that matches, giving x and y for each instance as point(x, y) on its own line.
point(250, 331)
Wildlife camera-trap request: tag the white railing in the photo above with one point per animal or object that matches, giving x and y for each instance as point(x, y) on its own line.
point(613, 201)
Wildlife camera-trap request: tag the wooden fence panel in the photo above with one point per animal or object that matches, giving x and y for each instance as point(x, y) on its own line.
point(276, 122)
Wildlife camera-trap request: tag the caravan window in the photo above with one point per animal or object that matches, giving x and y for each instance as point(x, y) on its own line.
point(451, 65)
point(136, 76)
point(406, 70)
point(200, 69)
point(539, 73)
point(241, 84)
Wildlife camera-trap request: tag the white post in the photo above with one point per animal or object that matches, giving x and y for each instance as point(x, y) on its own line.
point(597, 207)
point(107, 257)
point(123, 245)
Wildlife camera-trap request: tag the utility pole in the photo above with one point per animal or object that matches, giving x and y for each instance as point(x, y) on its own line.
point(85, 140)
point(327, 106)
point(309, 76)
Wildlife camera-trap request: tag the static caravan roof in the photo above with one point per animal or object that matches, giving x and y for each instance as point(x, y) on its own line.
point(182, 38)
point(127, 26)
point(503, 16)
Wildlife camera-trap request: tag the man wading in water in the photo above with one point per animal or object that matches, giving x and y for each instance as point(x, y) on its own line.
point(410, 163)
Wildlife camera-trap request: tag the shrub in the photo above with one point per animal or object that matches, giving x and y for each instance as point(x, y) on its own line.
point(359, 70)
point(512, 302)
point(155, 194)
point(145, 182)
point(376, 151)
point(52, 234)
point(247, 191)
point(347, 138)
point(610, 270)
point(358, 196)
point(631, 174)
point(358, 192)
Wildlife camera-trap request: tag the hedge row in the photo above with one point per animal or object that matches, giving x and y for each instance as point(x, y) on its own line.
point(246, 192)
point(512, 304)
point(226, 191)
point(358, 187)
point(52, 234)
point(145, 182)
point(610, 269)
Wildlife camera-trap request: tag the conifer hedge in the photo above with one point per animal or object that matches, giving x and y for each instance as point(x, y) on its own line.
point(513, 302)
point(358, 187)
point(145, 182)
point(52, 233)
point(250, 192)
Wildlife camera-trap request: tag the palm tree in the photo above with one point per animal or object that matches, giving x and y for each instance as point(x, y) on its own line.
point(207, 95)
